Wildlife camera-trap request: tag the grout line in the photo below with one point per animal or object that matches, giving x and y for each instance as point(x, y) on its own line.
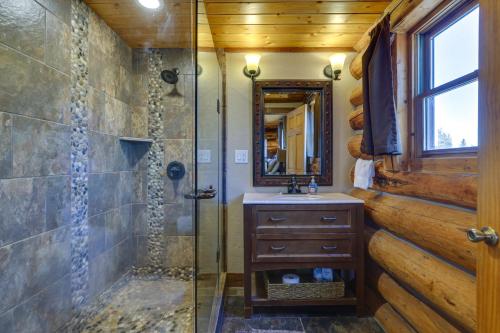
point(33, 236)
point(11, 174)
point(34, 59)
point(302, 324)
point(34, 177)
point(35, 118)
point(45, 37)
point(53, 12)
point(24, 301)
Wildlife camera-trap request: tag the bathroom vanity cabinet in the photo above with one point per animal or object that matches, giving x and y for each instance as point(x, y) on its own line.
point(305, 231)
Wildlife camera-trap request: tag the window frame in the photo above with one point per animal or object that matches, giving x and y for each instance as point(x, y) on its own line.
point(420, 78)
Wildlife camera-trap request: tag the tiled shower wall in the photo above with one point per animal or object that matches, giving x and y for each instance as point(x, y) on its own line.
point(117, 169)
point(38, 230)
point(34, 165)
point(176, 139)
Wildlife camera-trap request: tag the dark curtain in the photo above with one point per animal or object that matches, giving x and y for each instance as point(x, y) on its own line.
point(380, 133)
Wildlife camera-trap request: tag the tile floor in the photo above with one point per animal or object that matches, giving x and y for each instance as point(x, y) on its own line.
point(234, 322)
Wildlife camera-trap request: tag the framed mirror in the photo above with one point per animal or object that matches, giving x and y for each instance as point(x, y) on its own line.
point(292, 131)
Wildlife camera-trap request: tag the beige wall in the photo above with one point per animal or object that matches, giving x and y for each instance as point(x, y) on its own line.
point(239, 176)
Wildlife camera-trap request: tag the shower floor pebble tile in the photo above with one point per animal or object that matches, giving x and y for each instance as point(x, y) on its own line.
point(145, 303)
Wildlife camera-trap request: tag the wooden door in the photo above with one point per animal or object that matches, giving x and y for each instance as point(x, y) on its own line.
point(488, 270)
point(290, 144)
point(296, 122)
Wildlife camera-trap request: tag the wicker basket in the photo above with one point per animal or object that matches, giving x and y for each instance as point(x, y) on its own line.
point(306, 289)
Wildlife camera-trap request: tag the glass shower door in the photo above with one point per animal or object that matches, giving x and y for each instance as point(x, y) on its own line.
point(208, 185)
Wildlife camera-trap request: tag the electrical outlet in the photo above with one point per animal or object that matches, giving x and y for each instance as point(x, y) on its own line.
point(240, 156)
point(204, 156)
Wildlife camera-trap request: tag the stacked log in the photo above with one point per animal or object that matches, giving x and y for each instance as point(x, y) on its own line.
point(356, 119)
point(354, 147)
point(415, 290)
point(418, 314)
point(386, 315)
point(451, 188)
point(456, 189)
point(448, 288)
point(356, 98)
point(356, 66)
point(436, 228)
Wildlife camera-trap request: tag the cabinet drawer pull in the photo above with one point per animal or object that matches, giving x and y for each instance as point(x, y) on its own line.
point(329, 248)
point(277, 219)
point(278, 248)
point(328, 218)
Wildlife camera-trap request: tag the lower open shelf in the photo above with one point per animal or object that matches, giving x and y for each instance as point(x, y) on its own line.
point(259, 296)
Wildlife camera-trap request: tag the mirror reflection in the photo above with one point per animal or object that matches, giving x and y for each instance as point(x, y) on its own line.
point(292, 132)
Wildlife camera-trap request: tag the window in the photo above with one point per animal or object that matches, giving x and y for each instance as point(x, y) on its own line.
point(446, 97)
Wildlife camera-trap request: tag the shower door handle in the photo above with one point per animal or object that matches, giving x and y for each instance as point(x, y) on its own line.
point(208, 193)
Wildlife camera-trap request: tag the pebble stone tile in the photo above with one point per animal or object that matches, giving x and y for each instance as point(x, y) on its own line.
point(145, 300)
point(155, 194)
point(79, 153)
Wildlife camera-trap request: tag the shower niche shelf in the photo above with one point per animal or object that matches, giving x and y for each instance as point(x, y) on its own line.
point(135, 140)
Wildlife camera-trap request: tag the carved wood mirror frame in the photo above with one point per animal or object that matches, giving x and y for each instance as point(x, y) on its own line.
point(325, 87)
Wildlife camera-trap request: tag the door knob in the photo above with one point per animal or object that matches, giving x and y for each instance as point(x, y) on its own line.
point(486, 234)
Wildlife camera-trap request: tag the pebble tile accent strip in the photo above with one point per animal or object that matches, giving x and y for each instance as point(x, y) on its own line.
point(156, 219)
point(79, 153)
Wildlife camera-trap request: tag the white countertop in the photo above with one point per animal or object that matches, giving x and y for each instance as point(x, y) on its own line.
point(302, 199)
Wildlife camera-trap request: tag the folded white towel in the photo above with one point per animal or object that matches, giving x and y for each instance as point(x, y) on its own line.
point(364, 173)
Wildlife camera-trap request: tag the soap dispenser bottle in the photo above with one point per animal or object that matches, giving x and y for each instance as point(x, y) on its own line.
point(313, 186)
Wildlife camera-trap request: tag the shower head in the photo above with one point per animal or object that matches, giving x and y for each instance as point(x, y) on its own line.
point(170, 76)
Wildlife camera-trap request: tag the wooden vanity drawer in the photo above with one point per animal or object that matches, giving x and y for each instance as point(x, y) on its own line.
point(304, 221)
point(307, 248)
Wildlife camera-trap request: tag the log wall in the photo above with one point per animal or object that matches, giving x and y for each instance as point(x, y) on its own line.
point(421, 267)
point(450, 289)
point(419, 315)
point(385, 314)
point(357, 119)
point(436, 228)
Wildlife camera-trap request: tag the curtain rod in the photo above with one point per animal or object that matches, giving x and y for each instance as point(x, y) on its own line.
point(388, 10)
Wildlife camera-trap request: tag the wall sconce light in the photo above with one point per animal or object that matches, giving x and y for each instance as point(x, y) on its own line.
point(252, 69)
point(334, 70)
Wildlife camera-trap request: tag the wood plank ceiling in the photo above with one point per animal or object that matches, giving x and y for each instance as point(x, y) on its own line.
point(272, 24)
point(171, 26)
point(235, 25)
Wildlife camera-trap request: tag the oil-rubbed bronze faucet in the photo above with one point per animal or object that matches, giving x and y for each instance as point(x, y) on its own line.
point(293, 186)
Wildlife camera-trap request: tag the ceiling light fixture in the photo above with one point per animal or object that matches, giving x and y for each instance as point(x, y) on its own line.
point(150, 4)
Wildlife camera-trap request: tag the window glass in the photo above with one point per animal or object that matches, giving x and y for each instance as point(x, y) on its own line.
point(452, 118)
point(455, 49)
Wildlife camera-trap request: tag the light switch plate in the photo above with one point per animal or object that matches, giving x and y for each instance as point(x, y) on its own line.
point(204, 156)
point(240, 156)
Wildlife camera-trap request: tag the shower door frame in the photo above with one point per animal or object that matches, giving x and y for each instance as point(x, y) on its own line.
point(217, 301)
